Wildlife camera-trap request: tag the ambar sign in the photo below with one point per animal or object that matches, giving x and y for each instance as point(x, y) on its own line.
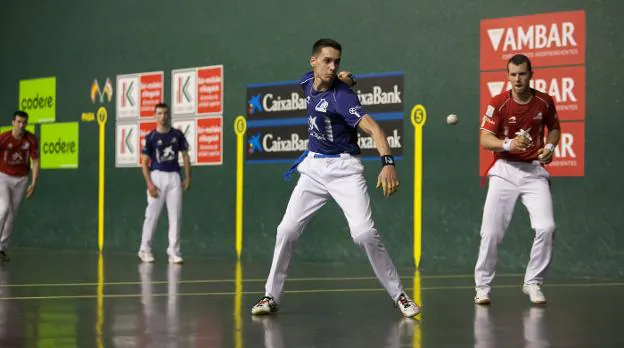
point(556, 38)
point(38, 98)
point(59, 145)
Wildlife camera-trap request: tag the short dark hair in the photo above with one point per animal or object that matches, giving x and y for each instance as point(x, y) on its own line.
point(318, 45)
point(519, 59)
point(161, 105)
point(20, 113)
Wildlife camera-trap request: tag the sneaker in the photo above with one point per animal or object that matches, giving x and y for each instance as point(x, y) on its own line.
point(408, 308)
point(3, 256)
point(146, 256)
point(535, 293)
point(175, 259)
point(482, 298)
point(265, 306)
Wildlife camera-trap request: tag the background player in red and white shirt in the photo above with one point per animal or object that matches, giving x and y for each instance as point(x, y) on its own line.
point(513, 128)
point(17, 148)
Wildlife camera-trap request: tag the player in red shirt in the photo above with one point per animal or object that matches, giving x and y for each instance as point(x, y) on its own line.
point(17, 148)
point(513, 128)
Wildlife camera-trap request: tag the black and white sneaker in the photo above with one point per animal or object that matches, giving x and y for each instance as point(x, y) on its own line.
point(3, 256)
point(265, 306)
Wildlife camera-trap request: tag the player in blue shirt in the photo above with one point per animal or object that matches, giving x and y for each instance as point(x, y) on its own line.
point(161, 171)
point(331, 168)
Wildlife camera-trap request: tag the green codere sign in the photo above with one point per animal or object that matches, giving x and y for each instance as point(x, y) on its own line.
point(30, 128)
point(59, 145)
point(38, 98)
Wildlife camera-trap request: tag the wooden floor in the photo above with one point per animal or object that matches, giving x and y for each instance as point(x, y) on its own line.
point(80, 300)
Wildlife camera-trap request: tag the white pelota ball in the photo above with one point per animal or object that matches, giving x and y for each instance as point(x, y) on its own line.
point(452, 119)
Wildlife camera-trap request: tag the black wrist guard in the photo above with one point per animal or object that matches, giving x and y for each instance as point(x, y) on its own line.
point(387, 160)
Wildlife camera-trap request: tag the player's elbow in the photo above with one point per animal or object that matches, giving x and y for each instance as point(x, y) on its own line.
point(368, 125)
point(376, 131)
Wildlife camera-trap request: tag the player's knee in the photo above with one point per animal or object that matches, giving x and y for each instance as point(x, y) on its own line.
point(364, 237)
point(492, 235)
point(288, 230)
point(4, 210)
point(546, 230)
point(150, 217)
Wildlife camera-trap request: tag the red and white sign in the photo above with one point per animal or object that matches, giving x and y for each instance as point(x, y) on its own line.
point(548, 39)
point(485, 160)
point(152, 92)
point(210, 90)
point(127, 98)
point(197, 91)
point(188, 128)
point(183, 91)
point(566, 85)
point(209, 141)
point(569, 157)
point(138, 94)
point(127, 145)
point(144, 128)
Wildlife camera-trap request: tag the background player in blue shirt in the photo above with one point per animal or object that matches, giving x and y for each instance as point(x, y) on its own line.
point(331, 168)
point(161, 171)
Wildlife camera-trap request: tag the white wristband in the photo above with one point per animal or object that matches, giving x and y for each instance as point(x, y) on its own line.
point(507, 145)
point(550, 147)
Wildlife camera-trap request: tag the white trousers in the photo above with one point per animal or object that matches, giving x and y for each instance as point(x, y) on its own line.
point(321, 179)
point(12, 191)
point(169, 187)
point(508, 181)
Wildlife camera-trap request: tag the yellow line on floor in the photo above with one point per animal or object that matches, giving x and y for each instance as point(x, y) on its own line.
point(251, 280)
point(303, 291)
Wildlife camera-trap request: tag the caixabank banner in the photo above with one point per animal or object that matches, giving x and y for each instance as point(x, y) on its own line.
point(556, 44)
point(277, 121)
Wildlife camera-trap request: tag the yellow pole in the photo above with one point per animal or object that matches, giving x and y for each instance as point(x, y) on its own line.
point(102, 116)
point(417, 338)
point(238, 296)
point(418, 117)
point(240, 126)
point(99, 335)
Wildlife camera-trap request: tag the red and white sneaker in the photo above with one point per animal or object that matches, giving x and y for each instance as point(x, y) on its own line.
point(408, 308)
point(146, 256)
point(535, 293)
point(482, 297)
point(265, 306)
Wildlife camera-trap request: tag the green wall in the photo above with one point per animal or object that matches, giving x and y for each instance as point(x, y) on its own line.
point(435, 44)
